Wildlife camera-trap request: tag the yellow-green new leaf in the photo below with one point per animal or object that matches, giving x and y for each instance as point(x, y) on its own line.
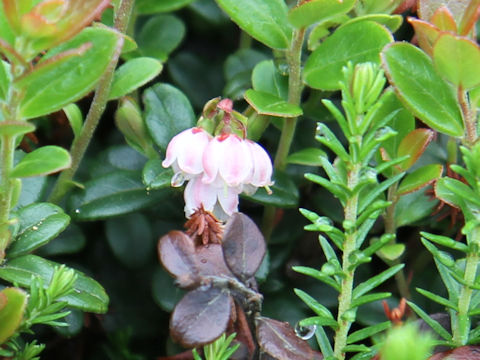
point(43, 161)
point(12, 306)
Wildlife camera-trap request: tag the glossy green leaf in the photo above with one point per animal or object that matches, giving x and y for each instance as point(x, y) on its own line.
point(413, 145)
point(438, 299)
point(458, 194)
point(133, 74)
point(313, 304)
point(13, 302)
point(88, 295)
point(42, 161)
point(113, 194)
point(75, 118)
point(435, 325)
point(368, 332)
point(39, 223)
point(4, 79)
point(308, 156)
point(319, 321)
point(421, 89)
point(413, 207)
point(376, 280)
point(268, 104)
point(155, 176)
point(316, 274)
point(49, 87)
point(70, 241)
point(392, 22)
point(365, 299)
point(167, 112)
point(323, 69)
point(456, 59)
point(264, 20)
point(266, 78)
point(15, 128)
point(391, 252)
point(318, 11)
point(420, 178)
point(158, 6)
point(445, 241)
point(284, 192)
point(131, 239)
point(159, 36)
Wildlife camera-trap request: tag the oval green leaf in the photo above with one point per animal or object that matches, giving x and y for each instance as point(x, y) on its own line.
point(413, 145)
point(421, 89)
point(420, 178)
point(133, 74)
point(318, 11)
point(44, 160)
point(75, 118)
point(39, 223)
point(264, 20)
point(15, 128)
point(49, 88)
point(268, 104)
point(323, 69)
point(88, 295)
point(155, 176)
point(167, 112)
point(116, 193)
point(284, 193)
point(457, 59)
point(308, 156)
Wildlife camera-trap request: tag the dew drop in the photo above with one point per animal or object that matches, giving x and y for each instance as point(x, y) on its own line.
point(35, 227)
point(305, 332)
point(177, 180)
point(77, 211)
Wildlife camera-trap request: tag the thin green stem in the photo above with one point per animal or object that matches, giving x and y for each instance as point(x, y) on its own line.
point(80, 144)
point(349, 246)
point(468, 118)
point(461, 328)
point(295, 87)
point(6, 189)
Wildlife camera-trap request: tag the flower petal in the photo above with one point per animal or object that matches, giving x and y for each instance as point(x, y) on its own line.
point(262, 165)
point(199, 194)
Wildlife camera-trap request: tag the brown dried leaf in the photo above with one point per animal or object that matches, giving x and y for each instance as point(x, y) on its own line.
point(210, 261)
point(461, 353)
point(278, 340)
point(243, 246)
point(201, 316)
point(177, 254)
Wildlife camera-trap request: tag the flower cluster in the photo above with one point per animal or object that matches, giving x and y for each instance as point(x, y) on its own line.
point(218, 169)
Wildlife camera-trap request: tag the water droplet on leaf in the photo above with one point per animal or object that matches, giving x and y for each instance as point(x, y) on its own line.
point(305, 332)
point(177, 180)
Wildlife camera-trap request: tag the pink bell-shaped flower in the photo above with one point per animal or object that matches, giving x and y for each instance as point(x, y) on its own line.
point(227, 157)
point(222, 201)
point(185, 153)
point(262, 165)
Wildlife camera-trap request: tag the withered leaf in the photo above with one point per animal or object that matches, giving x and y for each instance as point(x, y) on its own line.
point(210, 261)
point(176, 251)
point(243, 246)
point(278, 340)
point(461, 353)
point(201, 316)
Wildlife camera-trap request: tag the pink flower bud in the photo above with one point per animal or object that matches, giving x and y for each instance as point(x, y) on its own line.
point(228, 158)
point(185, 152)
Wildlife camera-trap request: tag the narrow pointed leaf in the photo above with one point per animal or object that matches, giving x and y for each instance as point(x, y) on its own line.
point(435, 325)
point(368, 332)
point(374, 281)
point(438, 299)
point(313, 304)
point(365, 299)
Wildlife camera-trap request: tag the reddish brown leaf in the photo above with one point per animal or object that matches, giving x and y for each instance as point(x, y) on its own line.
point(443, 19)
point(177, 254)
point(278, 340)
point(461, 353)
point(201, 316)
point(426, 34)
point(210, 261)
point(243, 246)
point(414, 144)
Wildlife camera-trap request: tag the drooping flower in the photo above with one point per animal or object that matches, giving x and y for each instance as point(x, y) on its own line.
point(222, 201)
point(227, 157)
point(185, 153)
point(262, 165)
